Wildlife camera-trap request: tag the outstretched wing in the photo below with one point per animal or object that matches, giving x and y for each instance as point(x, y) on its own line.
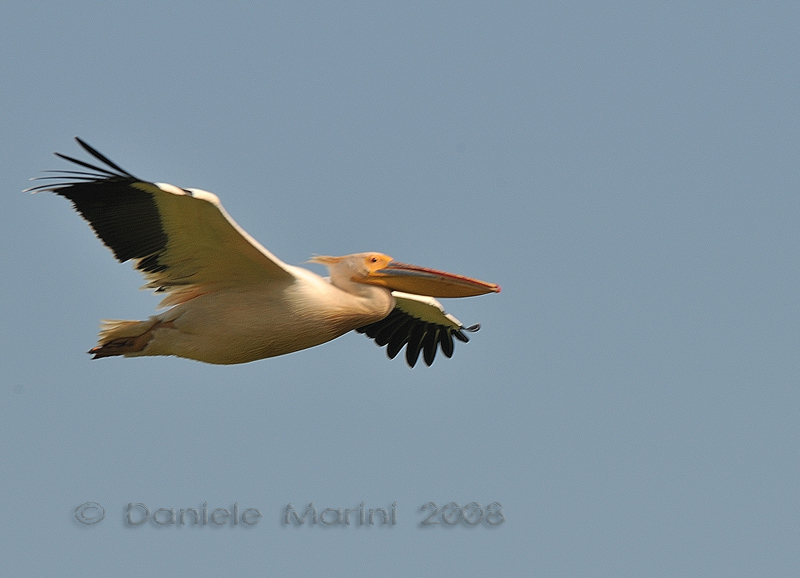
point(421, 324)
point(182, 240)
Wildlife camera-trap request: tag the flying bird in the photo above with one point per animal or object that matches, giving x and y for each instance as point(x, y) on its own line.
point(228, 299)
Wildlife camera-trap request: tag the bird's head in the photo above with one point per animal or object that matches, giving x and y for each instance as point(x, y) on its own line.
point(381, 270)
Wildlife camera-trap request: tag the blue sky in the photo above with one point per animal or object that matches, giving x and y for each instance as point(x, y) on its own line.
point(626, 171)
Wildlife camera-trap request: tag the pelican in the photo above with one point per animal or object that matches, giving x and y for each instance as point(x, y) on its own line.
point(228, 299)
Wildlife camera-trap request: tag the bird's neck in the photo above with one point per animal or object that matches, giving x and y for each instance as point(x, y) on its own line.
point(372, 300)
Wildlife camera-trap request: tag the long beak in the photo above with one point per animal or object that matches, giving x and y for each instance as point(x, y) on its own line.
point(421, 281)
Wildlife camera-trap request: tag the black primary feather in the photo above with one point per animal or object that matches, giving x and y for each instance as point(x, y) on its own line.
point(124, 217)
point(399, 329)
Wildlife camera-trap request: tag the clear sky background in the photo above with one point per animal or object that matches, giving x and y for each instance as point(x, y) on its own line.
point(628, 172)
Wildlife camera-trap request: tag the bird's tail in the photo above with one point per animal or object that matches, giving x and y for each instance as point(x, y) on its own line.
point(118, 337)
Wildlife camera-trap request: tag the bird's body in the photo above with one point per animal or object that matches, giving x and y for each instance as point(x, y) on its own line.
point(221, 327)
point(232, 301)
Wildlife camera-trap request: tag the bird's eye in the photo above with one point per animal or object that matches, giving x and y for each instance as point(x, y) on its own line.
point(374, 259)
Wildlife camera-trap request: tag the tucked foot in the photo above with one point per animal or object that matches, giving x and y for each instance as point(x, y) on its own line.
point(111, 345)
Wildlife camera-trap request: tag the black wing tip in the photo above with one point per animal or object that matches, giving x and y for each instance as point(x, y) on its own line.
point(124, 217)
point(99, 173)
point(399, 329)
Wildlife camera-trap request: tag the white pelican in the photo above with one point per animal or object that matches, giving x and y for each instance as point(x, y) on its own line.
point(232, 301)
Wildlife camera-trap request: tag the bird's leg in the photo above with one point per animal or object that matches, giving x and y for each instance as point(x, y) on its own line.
point(128, 344)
